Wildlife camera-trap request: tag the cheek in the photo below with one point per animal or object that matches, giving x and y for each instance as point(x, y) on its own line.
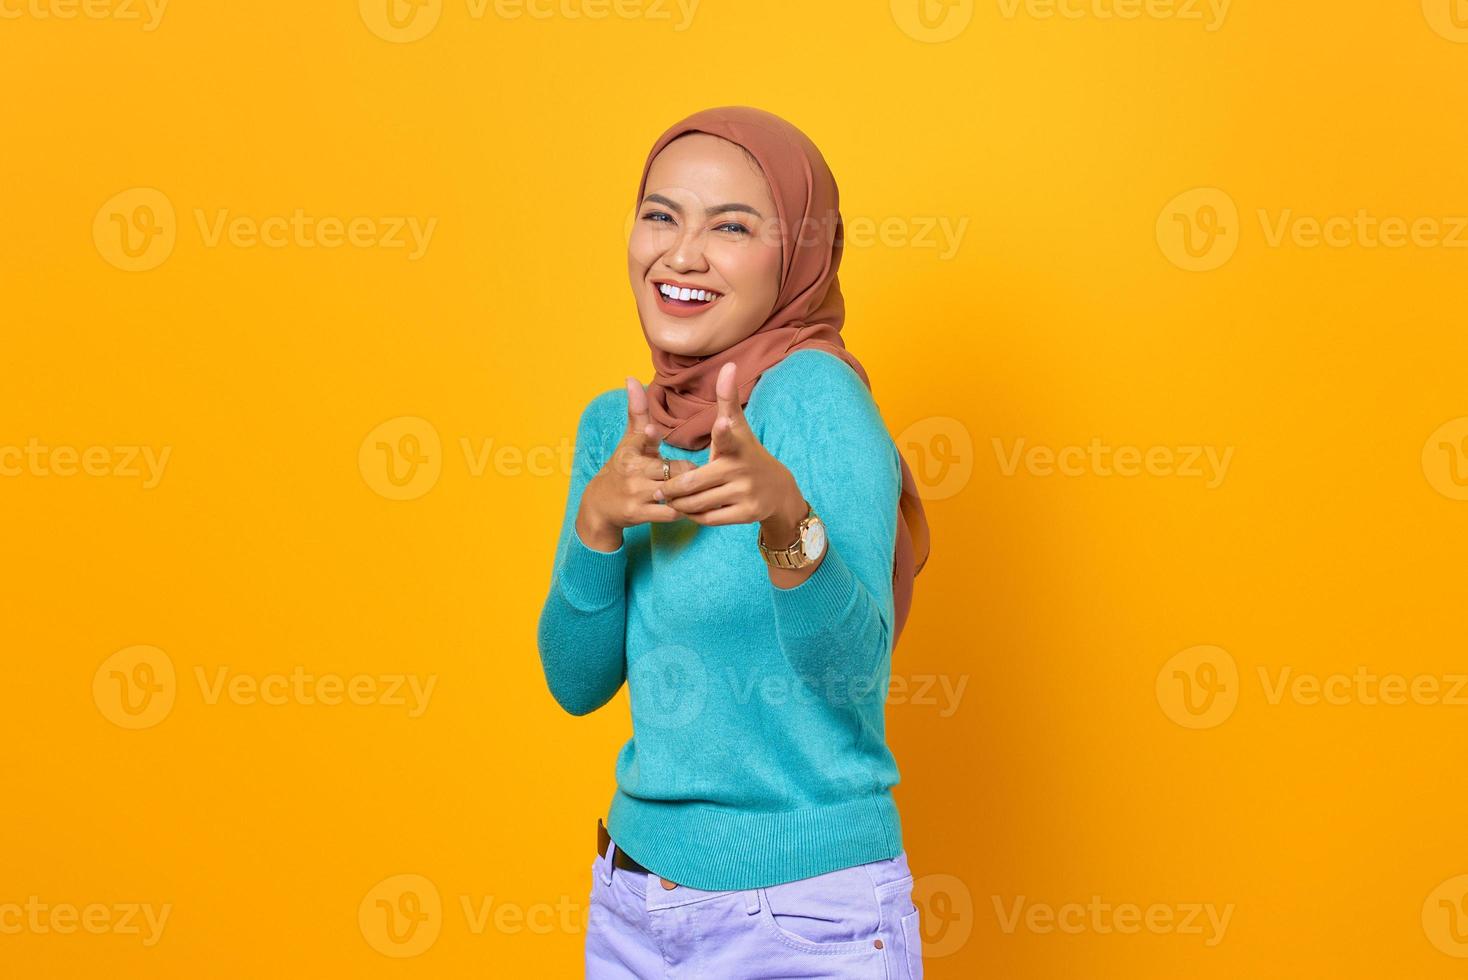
point(754, 272)
point(640, 252)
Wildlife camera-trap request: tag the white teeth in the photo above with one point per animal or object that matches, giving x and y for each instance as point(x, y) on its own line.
point(685, 294)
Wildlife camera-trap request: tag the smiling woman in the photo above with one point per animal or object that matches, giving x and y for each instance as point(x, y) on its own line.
point(684, 239)
point(743, 525)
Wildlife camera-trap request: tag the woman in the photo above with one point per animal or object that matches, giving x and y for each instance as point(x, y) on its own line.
point(739, 545)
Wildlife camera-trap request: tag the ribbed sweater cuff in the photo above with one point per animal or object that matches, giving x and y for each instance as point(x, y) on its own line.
point(820, 601)
point(592, 580)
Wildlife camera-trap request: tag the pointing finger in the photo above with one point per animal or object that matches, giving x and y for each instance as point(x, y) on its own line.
point(729, 426)
point(639, 424)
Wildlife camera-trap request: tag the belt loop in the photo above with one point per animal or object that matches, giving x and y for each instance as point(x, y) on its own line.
point(608, 863)
point(751, 901)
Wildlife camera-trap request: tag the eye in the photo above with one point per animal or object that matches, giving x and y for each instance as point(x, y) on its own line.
point(658, 216)
point(735, 227)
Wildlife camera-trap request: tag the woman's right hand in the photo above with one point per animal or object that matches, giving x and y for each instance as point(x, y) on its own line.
point(620, 495)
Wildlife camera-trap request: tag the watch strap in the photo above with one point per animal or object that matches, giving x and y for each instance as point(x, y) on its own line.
point(794, 556)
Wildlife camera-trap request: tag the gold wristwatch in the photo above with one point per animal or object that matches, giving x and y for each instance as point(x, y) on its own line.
point(808, 546)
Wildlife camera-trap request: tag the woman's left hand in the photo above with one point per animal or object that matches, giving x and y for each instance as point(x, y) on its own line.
point(741, 483)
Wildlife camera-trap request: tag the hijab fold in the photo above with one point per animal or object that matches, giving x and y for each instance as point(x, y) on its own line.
point(808, 312)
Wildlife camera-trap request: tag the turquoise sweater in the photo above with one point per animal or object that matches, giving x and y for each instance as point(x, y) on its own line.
point(759, 750)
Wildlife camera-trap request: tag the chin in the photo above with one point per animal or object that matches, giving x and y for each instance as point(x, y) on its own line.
point(678, 336)
point(680, 340)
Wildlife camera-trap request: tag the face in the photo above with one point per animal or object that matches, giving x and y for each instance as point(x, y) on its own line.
point(706, 222)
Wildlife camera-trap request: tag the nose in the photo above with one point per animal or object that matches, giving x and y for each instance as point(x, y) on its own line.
point(686, 253)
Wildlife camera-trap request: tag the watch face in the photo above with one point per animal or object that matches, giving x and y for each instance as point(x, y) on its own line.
point(813, 541)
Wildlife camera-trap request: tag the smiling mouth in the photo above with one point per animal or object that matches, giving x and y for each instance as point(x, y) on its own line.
point(684, 299)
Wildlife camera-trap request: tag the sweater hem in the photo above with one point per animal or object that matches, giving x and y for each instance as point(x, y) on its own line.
point(718, 848)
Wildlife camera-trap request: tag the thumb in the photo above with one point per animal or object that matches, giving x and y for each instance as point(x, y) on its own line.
point(730, 429)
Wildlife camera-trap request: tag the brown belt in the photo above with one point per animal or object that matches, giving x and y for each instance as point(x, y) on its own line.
point(621, 859)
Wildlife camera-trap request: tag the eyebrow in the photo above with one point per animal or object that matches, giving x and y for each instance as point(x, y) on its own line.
point(720, 209)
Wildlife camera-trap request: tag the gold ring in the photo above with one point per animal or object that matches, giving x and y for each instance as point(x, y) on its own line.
point(666, 470)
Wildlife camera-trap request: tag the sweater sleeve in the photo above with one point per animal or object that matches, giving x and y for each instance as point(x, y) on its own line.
point(837, 624)
point(582, 629)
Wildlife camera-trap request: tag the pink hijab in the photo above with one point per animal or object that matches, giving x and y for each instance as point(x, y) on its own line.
point(808, 312)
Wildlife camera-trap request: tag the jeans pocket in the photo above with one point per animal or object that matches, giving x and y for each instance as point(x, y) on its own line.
point(596, 884)
point(833, 913)
point(912, 942)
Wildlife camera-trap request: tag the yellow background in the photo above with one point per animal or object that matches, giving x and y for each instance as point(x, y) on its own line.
point(270, 544)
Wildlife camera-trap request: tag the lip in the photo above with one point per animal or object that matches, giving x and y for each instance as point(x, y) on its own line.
point(673, 309)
